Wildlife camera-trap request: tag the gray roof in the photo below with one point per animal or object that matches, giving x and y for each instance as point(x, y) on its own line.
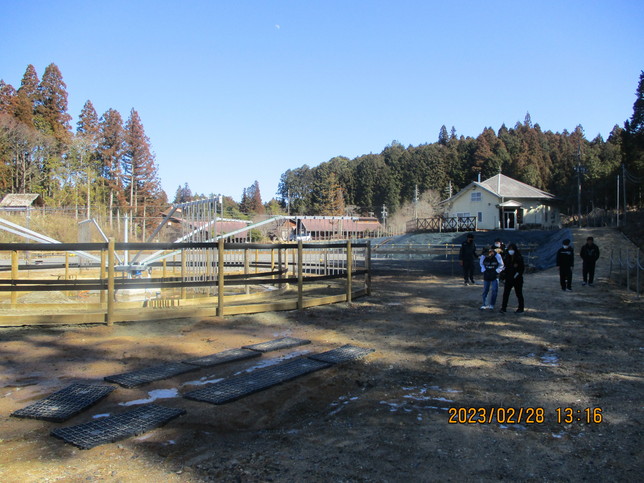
point(507, 187)
point(503, 186)
point(20, 200)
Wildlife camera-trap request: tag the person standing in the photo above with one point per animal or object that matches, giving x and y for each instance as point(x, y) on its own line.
point(514, 268)
point(565, 262)
point(467, 256)
point(491, 265)
point(589, 254)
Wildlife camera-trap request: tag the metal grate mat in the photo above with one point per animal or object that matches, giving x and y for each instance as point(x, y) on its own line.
point(277, 344)
point(237, 387)
point(345, 353)
point(63, 404)
point(117, 427)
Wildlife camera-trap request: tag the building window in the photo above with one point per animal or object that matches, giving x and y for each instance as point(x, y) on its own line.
point(462, 215)
point(476, 196)
point(480, 217)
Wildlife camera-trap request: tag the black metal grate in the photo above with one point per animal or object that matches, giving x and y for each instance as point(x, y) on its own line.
point(62, 405)
point(345, 353)
point(277, 344)
point(149, 374)
point(237, 387)
point(223, 357)
point(120, 426)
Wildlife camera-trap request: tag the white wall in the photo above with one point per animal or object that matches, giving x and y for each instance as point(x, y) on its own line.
point(534, 212)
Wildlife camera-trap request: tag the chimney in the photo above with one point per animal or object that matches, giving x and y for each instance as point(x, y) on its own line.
point(498, 184)
point(479, 177)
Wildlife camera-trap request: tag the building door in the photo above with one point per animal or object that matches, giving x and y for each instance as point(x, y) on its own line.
point(509, 218)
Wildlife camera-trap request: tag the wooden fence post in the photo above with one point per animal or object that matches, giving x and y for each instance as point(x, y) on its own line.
point(300, 276)
point(349, 270)
point(110, 282)
point(220, 278)
point(279, 265)
point(246, 287)
point(14, 275)
point(368, 267)
point(183, 273)
point(102, 275)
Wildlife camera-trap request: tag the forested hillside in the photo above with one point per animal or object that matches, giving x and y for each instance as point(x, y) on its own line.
point(525, 152)
point(106, 162)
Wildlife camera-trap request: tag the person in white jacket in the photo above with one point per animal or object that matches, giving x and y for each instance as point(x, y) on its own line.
point(491, 264)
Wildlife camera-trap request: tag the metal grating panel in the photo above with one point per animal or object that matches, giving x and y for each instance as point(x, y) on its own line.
point(223, 357)
point(277, 344)
point(342, 354)
point(62, 405)
point(237, 387)
point(115, 428)
point(149, 374)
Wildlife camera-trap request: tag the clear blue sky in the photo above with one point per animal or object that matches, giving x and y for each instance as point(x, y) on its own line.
point(230, 92)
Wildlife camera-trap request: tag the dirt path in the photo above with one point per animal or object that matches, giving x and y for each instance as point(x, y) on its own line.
point(382, 419)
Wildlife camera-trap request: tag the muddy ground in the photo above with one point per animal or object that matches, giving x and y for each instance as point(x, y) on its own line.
point(384, 418)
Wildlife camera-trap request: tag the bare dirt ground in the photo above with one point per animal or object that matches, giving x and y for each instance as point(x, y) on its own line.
point(384, 418)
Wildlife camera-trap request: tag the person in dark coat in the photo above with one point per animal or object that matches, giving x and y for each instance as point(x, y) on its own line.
point(514, 268)
point(467, 256)
point(565, 262)
point(491, 265)
point(589, 254)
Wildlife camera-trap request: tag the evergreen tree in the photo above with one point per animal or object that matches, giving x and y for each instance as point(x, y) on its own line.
point(87, 124)
point(183, 194)
point(110, 153)
point(8, 98)
point(27, 97)
point(443, 137)
point(252, 200)
point(139, 168)
point(51, 107)
point(634, 135)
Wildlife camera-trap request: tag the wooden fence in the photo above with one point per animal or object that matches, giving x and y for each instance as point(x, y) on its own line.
point(194, 279)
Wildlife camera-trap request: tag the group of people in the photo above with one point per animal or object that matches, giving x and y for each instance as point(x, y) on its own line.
point(496, 262)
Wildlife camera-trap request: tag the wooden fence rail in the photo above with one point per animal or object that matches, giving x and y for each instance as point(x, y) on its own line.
point(203, 270)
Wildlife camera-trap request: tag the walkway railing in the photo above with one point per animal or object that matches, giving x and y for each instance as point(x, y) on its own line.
point(441, 224)
point(626, 266)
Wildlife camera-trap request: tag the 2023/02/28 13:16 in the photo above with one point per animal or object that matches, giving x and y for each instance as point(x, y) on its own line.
point(586, 415)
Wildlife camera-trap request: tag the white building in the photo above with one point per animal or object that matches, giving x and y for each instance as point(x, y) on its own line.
point(501, 202)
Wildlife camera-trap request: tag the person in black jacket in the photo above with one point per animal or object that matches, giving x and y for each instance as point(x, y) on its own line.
point(565, 262)
point(467, 256)
point(514, 268)
point(491, 265)
point(589, 254)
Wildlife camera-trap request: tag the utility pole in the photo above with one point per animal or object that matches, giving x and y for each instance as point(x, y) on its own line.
point(580, 170)
point(617, 210)
point(288, 202)
point(624, 192)
point(384, 216)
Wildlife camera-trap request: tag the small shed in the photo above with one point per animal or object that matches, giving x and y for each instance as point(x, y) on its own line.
point(20, 202)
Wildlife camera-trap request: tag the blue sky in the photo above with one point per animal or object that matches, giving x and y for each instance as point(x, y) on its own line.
point(237, 91)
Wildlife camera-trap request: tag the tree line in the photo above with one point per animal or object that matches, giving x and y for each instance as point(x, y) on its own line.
point(547, 160)
point(106, 162)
